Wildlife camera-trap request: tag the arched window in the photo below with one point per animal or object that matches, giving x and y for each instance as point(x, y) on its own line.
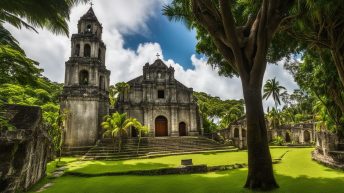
point(101, 83)
point(306, 136)
point(89, 28)
point(243, 133)
point(77, 50)
point(83, 77)
point(99, 54)
point(236, 133)
point(87, 50)
point(182, 129)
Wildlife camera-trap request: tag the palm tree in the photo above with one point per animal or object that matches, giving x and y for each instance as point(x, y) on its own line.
point(50, 14)
point(273, 117)
point(272, 88)
point(115, 90)
point(116, 126)
point(233, 114)
point(141, 131)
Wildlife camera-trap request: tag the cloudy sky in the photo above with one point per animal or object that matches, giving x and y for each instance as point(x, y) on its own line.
point(134, 31)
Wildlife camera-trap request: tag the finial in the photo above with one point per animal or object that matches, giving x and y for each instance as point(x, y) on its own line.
point(91, 3)
point(157, 55)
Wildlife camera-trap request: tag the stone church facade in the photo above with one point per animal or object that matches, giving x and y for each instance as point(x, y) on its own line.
point(85, 92)
point(156, 99)
point(161, 102)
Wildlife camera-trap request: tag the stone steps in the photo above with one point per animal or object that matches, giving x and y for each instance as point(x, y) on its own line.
point(155, 147)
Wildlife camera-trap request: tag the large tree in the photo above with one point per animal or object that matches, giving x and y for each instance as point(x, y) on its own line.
point(318, 25)
point(236, 36)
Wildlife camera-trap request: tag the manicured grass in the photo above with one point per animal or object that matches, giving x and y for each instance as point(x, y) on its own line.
point(296, 173)
point(211, 159)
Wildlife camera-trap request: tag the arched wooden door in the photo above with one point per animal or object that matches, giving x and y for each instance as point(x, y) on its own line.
point(182, 129)
point(161, 126)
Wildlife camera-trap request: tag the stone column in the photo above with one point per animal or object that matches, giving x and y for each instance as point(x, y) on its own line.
point(193, 123)
point(240, 138)
point(174, 121)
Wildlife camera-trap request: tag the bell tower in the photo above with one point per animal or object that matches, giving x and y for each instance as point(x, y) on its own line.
point(85, 92)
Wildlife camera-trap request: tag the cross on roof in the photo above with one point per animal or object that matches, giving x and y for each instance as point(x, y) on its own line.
point(157, 55)
point(91, 3)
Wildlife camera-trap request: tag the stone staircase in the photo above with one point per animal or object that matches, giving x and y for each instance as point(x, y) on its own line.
point(154, 147)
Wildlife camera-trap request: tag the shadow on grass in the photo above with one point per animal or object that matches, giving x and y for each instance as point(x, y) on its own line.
point(218, 182)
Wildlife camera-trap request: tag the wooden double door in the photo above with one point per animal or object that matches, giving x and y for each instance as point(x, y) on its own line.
point(161, 126)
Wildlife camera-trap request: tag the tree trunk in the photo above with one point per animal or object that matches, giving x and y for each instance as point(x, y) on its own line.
point(260, 172)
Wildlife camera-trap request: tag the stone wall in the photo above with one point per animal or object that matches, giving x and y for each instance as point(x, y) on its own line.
point(24, 151)
point(326, 142)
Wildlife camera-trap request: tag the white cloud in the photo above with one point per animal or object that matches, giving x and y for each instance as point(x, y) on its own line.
point(130, 17)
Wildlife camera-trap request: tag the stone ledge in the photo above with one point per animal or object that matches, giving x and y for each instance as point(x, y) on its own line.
point(326, 160)
point(194, 169)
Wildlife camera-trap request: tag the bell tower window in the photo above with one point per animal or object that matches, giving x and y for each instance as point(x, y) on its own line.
point(83, 77)
point(89, 28)
point(77, 50)
point(161, 94)
point(87, 50)
point(99, 54)
point(101, 83)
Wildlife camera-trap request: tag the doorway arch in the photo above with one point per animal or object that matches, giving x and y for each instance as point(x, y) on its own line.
point(161, 128)
point(287, 137)
point(182, 129)
point(306, 136)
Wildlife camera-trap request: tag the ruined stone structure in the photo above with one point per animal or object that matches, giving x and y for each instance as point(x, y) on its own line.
point(85, 93)
point(303, 133)
point(24, 151)
point(162, 103)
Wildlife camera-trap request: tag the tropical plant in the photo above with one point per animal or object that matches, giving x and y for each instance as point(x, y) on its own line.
point(233, 114)
point(50, 14)
point(115, 91)
point(274, 90)
point(236, 36)
point(116, 126)
point(142, 130)
point(278, 140)
point(54, 118)
point(273, 117)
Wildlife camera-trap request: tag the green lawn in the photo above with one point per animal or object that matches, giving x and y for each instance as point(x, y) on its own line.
point(296, 173)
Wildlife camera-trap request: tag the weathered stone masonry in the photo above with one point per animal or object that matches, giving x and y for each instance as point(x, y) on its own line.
point(162, 103)
point(85, 94)
point(23, 151)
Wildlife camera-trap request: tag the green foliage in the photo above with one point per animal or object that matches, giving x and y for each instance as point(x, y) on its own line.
point(115, 91)
point(316, 75)
point(50, 14)
point(44, 94)
point(273, 89)
point(278, 140)
point(213, 108)
point(117, 124)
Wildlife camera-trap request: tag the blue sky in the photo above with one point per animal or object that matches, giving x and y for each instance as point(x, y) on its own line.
point(175, 39)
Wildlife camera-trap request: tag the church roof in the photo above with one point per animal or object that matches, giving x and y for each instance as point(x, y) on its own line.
point(158, 63)
point(89, 15)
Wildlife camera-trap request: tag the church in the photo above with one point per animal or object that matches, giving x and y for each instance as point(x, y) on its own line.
point(160, 102)
point(156, 98)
